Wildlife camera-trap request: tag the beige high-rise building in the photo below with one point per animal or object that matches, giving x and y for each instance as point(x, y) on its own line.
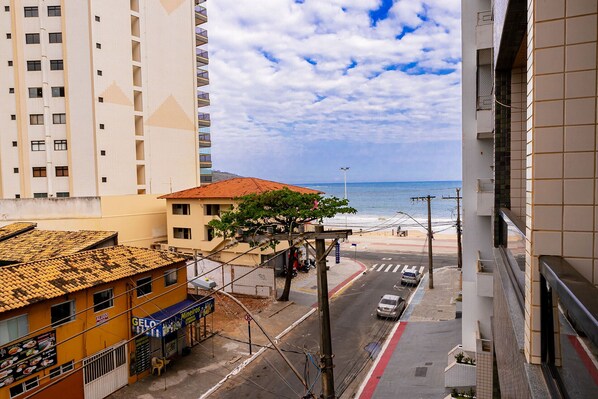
point(101, 98)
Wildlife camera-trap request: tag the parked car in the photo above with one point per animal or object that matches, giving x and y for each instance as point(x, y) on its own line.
point(390, 306)
point(411, 276)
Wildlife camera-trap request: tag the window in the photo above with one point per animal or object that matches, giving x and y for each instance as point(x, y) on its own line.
point(103, 300)
point(40, 195)
point(97, 18)
point(39, 171)
point(60, 145)
point(56, 65)
point(101, 99)
point(34, 65)
point(209, 233)
point(24, 387)
point(55, 37)
point(59, 119)
point(38, 145)
point(36, 119)
point(182, 232)
point(31, 12)
point(13, 117)
point(181, 209)
point(53, 11)
point(170, 277)
point(58, 91)
point(62, 171)
point(32, 38)
point(104, 180)
point(99, 72)
point(36, 92)
point(98, 45)
point(63, 368)
point(63, 194)
point(14, 144)
point(7, 8)
point(212, 209)
point(17, 195)
point(15, 328)
point(9, 63)
point(15, 170)
point(103, 153)
point(8, 35)
point(144, 286)
point(101, 126)
point(11, 90)
point(62, 313)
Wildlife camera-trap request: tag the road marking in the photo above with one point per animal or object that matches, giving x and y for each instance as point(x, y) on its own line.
point(421, 270)
point(388, 268)
point(386, 258)
point(381, 267)
point(396, 268)
point(373, 267)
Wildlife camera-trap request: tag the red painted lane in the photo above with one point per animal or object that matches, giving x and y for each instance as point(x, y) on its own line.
point(345, 282)
point(585, 358)
point(372, 383)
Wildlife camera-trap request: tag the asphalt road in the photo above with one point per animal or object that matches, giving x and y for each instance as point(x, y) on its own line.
point(357, 336)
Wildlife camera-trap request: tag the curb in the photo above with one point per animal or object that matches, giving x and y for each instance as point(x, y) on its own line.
point(248, 361)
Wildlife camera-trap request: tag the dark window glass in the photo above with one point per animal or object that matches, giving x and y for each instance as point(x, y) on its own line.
point(53, 11)
point(31, 12)
point(103, 300)
point(144, 286)
point(36, 119)
point(15, 170)
point(101, 126)
point(62, 171)
point(40, 195)
point(63, 194)
point(104, 179)
point(98, 45)
point(56, 65)
point(181, 209)
point(58, 91)
point(97, 19)
point(9, 35)
point(182, 232)
point(32, 38)
point(55, 37)
point(59, 119)
point(170, 277)
point(39, 171)
point(102, 152)
point(14, 143)
point(34, 65)
point(99, 72)
point(62, 313)
point(35, 92)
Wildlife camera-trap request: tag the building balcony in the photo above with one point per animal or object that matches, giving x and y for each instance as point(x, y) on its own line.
point(485, 201)
point(201, 36)
point(202, 57)
point(205, 161)
point(483, 31)
point(205, 140)
point(203, 99)
point(201, 15)
point(485, 276)
point(203, 119)
point(203, 78)
point(198, 2)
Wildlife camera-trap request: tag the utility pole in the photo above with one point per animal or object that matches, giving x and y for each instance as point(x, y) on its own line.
point(459, 230)
point(430, 237)
point(345, 169)
point(324, 317)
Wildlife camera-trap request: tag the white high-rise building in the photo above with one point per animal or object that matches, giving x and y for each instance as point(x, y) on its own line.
point(100, 98)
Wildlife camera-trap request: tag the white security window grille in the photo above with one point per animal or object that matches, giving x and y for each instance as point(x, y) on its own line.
point(14, 328)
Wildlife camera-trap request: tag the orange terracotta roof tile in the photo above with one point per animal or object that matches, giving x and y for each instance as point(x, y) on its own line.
point(45, 244)
point(236, 187)
point(28, 283)
point(13, 229)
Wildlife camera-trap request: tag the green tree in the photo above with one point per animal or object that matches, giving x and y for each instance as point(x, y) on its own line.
point(279, 212)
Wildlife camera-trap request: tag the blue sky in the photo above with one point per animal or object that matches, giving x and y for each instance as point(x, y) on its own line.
point(300, 88)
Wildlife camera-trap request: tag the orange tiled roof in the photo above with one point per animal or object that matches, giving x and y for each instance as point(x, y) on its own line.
point(28, 283)
point(236, 187)
point(45, 244)
point(15, 228)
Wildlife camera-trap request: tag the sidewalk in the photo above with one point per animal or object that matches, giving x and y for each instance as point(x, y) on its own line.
point(212, 360)
point(414, 357)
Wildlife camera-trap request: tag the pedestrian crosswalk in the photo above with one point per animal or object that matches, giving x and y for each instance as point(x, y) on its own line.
point(386, 268)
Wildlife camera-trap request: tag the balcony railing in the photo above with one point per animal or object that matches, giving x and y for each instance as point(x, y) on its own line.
point(202, 57)
point(203, 74)
point(206, 137)
point(201, 15)
point(485, 17)
point(512, 242)
point(203, 116)
point(203, 95)
point(205, 158)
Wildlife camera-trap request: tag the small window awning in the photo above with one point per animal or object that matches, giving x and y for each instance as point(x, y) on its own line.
point(172, 318)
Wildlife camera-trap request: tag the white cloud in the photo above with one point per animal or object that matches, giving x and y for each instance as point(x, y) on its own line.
point(359, 88)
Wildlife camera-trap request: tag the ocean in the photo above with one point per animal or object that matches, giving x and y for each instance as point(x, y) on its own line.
point(378, 205)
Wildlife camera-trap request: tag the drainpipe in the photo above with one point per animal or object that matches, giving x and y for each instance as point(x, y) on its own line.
point(46, 91)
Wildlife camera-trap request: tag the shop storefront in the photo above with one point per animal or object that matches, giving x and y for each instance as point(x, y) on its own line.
point(168, 332)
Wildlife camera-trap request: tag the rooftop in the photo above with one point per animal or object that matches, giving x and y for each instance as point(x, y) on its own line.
point(234, 188)
point(13, 229)
point(36, 245)
point(29, 283)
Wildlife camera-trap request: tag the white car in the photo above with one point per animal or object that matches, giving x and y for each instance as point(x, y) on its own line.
point(411, 276)
point(390, 306)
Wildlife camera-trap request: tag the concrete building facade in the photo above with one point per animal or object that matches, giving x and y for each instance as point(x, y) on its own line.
point(530, 270)
point(100, 98)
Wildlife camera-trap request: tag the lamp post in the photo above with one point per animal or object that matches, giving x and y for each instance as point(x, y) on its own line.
point(345, 169)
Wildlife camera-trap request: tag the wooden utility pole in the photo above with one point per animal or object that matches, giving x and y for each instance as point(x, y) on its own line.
point(459, 230)
point(430, 237)
point(324, 318)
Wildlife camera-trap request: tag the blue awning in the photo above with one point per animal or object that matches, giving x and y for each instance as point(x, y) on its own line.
point(172, 318)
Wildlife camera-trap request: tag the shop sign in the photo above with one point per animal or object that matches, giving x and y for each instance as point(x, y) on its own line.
point(101, 318)
point(201, 310)
point(39, 352)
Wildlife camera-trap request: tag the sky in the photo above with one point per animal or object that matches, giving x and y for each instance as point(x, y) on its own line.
point(300, 88)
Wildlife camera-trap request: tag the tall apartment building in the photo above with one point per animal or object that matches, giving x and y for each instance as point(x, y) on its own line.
point(100, 98)
point(530, 183)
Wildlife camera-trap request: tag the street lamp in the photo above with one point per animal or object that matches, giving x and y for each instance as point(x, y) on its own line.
point(345, 169)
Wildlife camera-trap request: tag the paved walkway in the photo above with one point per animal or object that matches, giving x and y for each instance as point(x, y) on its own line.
point(211, 361)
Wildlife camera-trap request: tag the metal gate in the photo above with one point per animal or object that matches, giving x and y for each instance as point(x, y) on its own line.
point(105, 372)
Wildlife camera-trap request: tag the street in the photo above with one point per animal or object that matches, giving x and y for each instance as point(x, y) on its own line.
point(357, 335)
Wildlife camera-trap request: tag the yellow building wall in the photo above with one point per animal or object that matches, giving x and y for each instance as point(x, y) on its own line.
point(73, 344)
